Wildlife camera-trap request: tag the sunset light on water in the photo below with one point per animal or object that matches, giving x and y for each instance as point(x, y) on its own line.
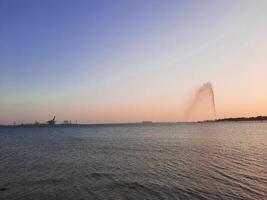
point(144, 99)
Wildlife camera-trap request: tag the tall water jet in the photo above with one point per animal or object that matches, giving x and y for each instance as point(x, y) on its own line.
point(203, 100)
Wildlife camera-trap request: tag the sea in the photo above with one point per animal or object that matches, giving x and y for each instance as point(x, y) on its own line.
point(222, 160)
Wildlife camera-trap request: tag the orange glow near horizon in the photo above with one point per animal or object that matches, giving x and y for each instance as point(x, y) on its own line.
point(143, 66)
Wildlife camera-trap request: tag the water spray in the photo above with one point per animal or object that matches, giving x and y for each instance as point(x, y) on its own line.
point(204, 92)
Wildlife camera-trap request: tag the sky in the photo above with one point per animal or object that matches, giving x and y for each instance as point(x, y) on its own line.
point(129, 61)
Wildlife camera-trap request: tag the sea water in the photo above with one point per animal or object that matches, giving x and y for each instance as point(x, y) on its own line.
point(226, 160)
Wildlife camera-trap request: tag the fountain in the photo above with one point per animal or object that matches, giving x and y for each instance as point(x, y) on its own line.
point(203, 100)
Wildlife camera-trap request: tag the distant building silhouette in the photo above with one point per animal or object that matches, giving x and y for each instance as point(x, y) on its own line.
point(66, 122)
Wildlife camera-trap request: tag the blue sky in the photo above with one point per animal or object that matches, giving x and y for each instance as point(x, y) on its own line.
point(86, 59)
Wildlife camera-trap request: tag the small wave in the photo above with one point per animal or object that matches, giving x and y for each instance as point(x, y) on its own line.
point(135, 190)
point(3, 189)
point(131, 188)
point(100, 175)
point(49, 181)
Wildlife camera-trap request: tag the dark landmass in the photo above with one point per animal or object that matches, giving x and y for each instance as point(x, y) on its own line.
point(240, 119)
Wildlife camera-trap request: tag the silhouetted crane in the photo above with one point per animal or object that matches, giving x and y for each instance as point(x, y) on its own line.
point(52, 121)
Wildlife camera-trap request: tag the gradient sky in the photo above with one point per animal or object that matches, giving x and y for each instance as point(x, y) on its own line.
point(127, 61)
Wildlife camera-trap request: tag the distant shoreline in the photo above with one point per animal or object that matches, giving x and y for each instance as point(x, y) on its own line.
point(237, 119)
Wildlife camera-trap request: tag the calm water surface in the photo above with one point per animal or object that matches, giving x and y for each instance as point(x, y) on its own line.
point(175, 161)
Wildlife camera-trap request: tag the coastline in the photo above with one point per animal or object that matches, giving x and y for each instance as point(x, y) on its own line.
point(144, 123)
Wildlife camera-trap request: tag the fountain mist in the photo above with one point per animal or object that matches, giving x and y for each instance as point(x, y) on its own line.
point(203, 95)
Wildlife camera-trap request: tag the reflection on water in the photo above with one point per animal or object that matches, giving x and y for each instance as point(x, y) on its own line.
point(175, 161)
